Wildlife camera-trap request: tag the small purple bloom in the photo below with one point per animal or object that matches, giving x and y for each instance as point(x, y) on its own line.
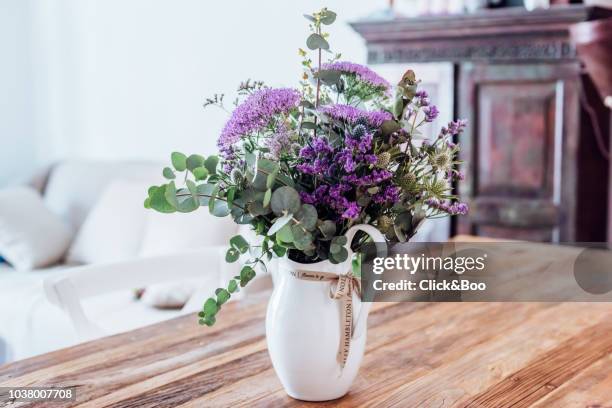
point(351, 114)
point(422, 98)
point(255, 113)
point(352, 211)
point(431, 113)
point(362, 72)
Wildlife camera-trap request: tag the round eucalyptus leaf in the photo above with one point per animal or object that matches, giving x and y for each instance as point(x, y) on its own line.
point(339, 257)
point(328, 17)
point(179, 161)
point(315, 41)
point(307, 216)
point(194, 161)
point(210, 307)
point(168, 173)
point(158, 200)
point(256, 209)
point(285, 234)
point(285, 200)
point(328, 228)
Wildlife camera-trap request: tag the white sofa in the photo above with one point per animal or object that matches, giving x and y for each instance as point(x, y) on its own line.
point(30, 325)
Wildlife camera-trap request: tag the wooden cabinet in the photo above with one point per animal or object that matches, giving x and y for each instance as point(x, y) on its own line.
point(523, 128)
point(533, 168)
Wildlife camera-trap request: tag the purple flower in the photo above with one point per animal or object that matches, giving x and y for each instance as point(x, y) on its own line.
point(351, 114)
point(454, 128)
point(362, 72)
point(254, 114)
point(452, 209)
point(431, 113)
point(390, 194)
point(352, 211)
point(422, 98)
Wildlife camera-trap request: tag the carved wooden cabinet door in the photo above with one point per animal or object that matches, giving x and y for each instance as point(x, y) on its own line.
point(519, 149)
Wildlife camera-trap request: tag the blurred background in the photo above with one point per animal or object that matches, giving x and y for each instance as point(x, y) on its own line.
point(94, 95)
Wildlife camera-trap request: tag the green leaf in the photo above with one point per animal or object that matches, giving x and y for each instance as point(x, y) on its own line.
point(272, 178)
point(308, 217)
point(168, 173)
point(315, 41)
point(301, 239)
point(210, 307)
point(232, 286)
point(158, 201)
point(335, 248)
point(340, 240)
point(204, 193)
point(193, 188)
point(279, 251)
point(221, 209)
point(256, 209)
point(211, 164)
point(170, 194)
point(246, 275)
point(239, 243)
point(267, 198)
point(200, 173)
point(285, 200)
point(231, 192)
point(310, 18)
point(328, 228)
point(328, 76)
point(265, 167)
point(285, 234)
point(232, 255)
point(213, 196)
point(339, 257)
point(279, 223)
point(179, 161)
point(222, 296)
point(194, 161)
point(328, 17)
point(147, 203)
point(208, 320)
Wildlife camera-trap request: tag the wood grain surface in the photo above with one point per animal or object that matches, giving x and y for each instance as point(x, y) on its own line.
point(417, 355)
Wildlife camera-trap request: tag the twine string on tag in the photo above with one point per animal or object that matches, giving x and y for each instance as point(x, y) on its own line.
point(341, 288)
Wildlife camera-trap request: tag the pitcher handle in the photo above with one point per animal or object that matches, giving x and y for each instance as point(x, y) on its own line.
point(365, 306)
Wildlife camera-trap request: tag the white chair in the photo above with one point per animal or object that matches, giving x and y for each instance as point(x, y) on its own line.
point(68, 289)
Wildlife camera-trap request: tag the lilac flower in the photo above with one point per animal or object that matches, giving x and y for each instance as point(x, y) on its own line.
point(362, 72)
point(254, 114)
point(431, 113)
point(351, 114)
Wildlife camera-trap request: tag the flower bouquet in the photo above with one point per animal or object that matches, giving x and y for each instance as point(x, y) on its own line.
point(317, 172)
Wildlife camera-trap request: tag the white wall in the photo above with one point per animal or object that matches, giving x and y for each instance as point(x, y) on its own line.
point(127, 78)
point(17, 150)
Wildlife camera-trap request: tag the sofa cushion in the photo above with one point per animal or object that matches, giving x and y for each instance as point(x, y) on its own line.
point(74, 187)
point(113, 230)
point(31, 236)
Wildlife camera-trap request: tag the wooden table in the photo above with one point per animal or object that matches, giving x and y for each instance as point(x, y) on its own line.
point(418, 355)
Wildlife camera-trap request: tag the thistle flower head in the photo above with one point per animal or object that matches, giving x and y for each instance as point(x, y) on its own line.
point(383, 159)
point(441, 160)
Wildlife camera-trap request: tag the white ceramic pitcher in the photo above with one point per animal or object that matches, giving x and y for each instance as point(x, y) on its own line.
point(303, 329)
